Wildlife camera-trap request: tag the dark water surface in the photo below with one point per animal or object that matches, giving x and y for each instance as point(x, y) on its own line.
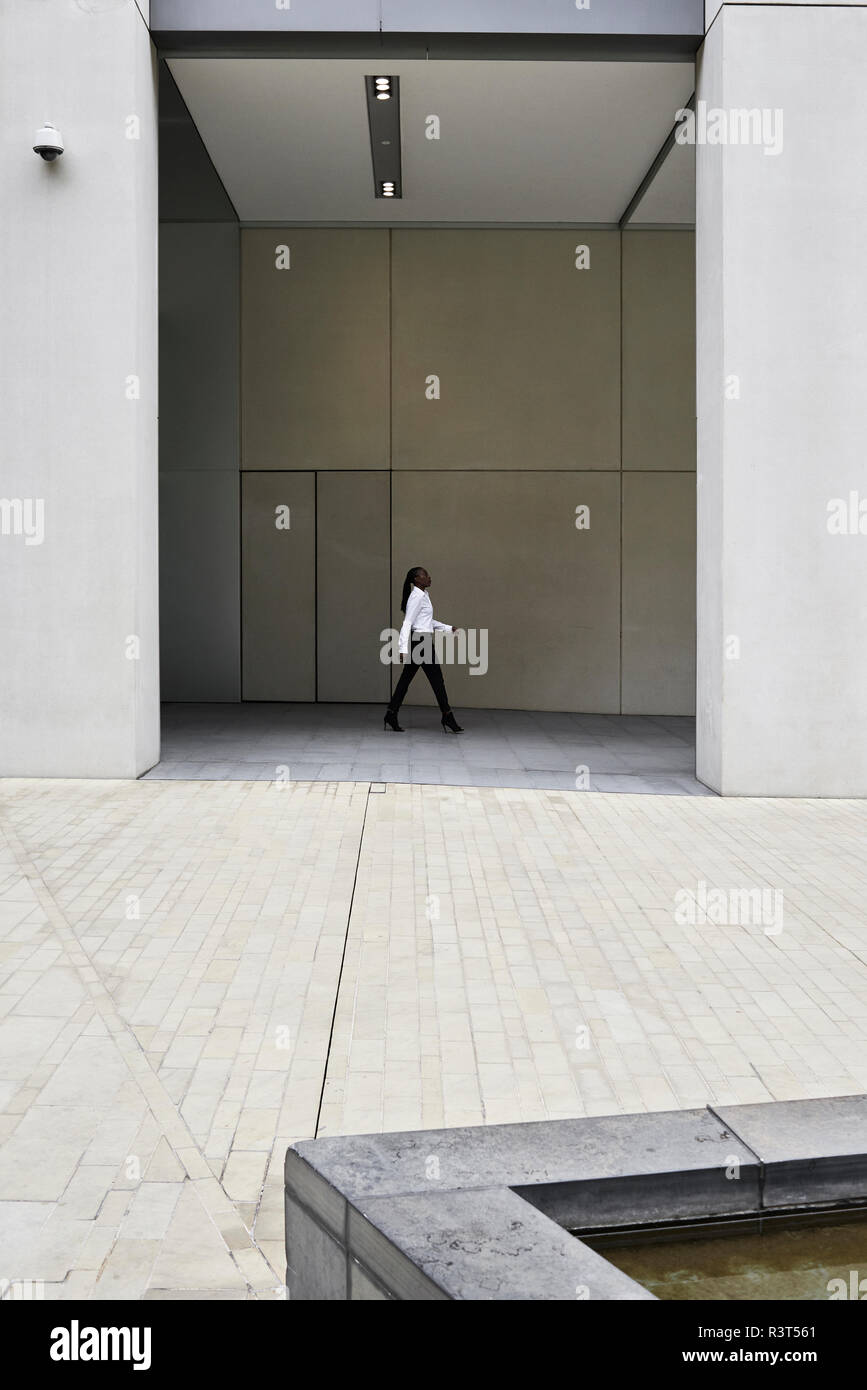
point(783, 1263)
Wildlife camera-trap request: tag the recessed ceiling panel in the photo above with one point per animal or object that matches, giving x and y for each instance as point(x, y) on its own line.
point(481, 141)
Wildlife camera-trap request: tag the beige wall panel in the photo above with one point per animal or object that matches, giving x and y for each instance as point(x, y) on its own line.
point(352, 562)
point(659, 350)
point(659, 593)
point(526, 347)
point(504, 554)
point(198, 317)
point(200, 535)
point(278, 587)
point(314, 355)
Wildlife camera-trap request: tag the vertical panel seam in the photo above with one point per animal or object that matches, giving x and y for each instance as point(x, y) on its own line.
point(390, 436)
point(316, 586)
point(239, 443)
point(620, 481)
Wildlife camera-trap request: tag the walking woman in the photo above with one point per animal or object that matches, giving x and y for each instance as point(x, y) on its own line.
point(419, 625)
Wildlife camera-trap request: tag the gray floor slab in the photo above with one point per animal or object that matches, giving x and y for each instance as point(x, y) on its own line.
point(499, 748)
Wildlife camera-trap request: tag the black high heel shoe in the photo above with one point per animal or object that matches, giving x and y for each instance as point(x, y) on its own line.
point(450, 724)
point(390, 722)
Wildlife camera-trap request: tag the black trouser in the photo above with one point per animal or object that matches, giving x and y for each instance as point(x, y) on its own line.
point(431, 670)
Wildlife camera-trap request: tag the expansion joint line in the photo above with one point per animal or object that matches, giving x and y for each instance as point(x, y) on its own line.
point(342, 964)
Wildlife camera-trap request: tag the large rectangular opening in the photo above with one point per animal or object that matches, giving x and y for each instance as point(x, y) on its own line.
point(492, 376)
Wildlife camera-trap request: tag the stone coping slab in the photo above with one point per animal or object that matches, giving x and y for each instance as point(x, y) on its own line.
point(485, 1212)
point(790, 1129)
point(484, 1244)
point(517, 1155)
point(805, 1146)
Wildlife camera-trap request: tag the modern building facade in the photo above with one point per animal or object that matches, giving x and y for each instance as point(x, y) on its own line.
point(598, 367)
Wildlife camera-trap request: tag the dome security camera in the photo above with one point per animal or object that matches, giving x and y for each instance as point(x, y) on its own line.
point(48, 142)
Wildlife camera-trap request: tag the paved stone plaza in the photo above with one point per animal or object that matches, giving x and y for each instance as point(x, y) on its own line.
point(196, 973)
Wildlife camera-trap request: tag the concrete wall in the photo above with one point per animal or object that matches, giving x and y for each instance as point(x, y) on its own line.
point(658, 615)
point(658, 495)
point(484, 480)
point(200, 620)
point(79, 685)
point(488, 463)
point(278, 585)
point(200, 599)
point(659, 350)
point(504, 554)
point(782, 410)
point(314, 356)
point(525, 346)
point(199, 307)
point(353, 584)
point(713, 7)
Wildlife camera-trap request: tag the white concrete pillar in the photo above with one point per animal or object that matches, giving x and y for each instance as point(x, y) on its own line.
point(79, 677)
point(782, 403)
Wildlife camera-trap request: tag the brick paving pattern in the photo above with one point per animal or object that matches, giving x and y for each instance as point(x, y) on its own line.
point(194, 974)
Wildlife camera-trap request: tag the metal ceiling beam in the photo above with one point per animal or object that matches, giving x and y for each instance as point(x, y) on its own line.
point(617, 30)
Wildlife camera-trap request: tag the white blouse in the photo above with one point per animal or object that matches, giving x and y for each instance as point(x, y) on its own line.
point(419, 618)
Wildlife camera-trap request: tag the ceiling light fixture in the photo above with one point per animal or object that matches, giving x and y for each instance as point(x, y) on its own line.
point(383, 116)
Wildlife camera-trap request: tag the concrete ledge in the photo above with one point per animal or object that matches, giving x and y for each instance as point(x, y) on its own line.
point(486, 1244)
point(486, 1212)
point(810, 1150)
point(600, 1148)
